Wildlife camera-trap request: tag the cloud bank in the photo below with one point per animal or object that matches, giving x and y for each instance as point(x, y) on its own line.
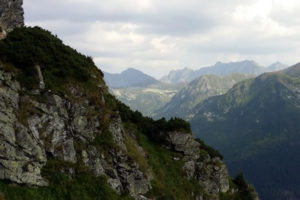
point(156, 36)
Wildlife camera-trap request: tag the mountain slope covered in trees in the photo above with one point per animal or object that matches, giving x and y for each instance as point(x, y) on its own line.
point(256, 126)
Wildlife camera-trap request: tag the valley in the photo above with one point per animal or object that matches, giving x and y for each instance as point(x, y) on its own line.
point(251, 119)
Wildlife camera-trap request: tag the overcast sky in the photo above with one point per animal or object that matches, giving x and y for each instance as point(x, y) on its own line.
point(156, 36)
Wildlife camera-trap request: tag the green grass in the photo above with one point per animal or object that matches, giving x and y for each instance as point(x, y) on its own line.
point(134, 153)
point(168, 182)
point(104, 140)
point(83, 186)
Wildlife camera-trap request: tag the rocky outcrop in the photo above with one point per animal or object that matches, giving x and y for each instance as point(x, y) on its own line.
point(33, 131)
point(211, 173)
point(184, 143)
point(21, 153)
point(11, 14)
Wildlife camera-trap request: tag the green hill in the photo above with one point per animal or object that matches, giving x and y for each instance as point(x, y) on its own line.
point(256, 126)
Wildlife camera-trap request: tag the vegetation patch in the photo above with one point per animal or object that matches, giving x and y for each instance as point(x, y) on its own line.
point(104, 141)
point(154, 129)
point(135, 154)
point(26, 47)
point(169, 181)
point(211, 151)
point(83, 186)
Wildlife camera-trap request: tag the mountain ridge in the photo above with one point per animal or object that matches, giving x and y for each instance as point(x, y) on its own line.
point(183, 103)
point(255, 125)
point(245, 67)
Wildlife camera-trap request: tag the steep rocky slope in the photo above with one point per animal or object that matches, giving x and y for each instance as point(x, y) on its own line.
point(256, 126)
point(63, 136)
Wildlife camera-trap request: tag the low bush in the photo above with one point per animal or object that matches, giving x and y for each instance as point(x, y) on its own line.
point(26, 47)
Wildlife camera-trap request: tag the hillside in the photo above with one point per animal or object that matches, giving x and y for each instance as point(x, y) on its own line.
point(129, 78)
point(63, 136)
point(183, 103)
point(242, 67)
point(147, 99)
point(256, 126)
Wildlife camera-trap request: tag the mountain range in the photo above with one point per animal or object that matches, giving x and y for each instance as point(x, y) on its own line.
point(256, 126)
point(243, 67)
point(154, 98)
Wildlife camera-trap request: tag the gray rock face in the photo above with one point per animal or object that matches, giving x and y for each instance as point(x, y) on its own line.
point(11, 14)
point(211, 173)
point(184, 143)
point(21, 153)
point(32, 131)
point(117, 132)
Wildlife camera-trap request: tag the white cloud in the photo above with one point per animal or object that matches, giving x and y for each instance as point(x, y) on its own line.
point(156, 36)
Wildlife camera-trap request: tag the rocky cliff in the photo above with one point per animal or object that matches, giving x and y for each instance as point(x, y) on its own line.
point(32, 132)
point(63, 136)
point(11, 14)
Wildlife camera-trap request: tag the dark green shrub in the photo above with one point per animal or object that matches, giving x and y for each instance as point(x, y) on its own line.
point(26, 47)
point(211, 151)
point(246, 191)
point(154, 129)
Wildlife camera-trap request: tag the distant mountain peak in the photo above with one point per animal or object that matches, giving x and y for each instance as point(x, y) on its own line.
point(276, 63)
point(130, 77)
point(220, 68)
point(251, 67)
point(131, 69)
